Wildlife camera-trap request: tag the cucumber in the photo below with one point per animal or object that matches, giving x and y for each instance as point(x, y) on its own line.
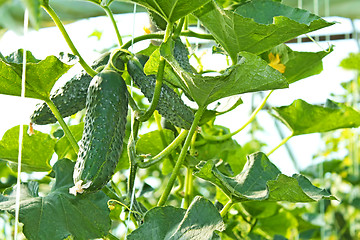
point(69, 98)
point(104, 130)
point(170, 105)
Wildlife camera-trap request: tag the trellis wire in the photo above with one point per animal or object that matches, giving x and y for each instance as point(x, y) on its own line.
point(132, 123)
point(21, 130)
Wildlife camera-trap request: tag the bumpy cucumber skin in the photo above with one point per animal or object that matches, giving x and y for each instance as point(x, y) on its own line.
point(170, 105)
point(70, 98)
point(104, 130)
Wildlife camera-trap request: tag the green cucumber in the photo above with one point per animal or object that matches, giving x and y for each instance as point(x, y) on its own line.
point(170, 105)
point(104, 130)
point(69, 98)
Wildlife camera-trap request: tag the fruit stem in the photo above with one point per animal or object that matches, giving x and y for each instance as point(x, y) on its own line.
point(62, 29)
point(63, 125)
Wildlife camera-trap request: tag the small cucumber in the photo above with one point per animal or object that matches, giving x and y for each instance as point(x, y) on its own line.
point(170, 105)
point(70, 98)
point(104, 130)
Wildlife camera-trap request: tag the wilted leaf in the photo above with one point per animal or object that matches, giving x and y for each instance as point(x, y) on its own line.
point(303, 118)
point(60, 214)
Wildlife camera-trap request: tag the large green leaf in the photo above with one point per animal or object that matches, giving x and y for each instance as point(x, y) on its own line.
point(60, 214)
point(172, 10)
point(36, 152)
point(282, 224)
point(299, 65)
point(40, 75)
point(63, 146)
point(256, 26)
point(303, 118)
point(250, 74)
point(198, 222)
point(261, 180)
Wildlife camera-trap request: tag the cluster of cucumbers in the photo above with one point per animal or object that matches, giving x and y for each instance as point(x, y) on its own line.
point(105, 98)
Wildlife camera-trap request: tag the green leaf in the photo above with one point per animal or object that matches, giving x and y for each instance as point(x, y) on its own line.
point(282, 224)
point(332, 166)
point(272, 185)
point(352, 62)
point(60, 214)
point(40, 75)
point(154, 142)
point(36, 152)
point(63, 146)
point(172, 10)
point(34, 12)
point(256, 26)
point(229, 151)
point(261, 209)
point(299, 65)
point(303, 118)
point(198, 222)
point(250, 74)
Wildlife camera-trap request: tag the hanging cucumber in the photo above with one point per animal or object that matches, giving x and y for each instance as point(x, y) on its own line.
point(170, 105)
point(70, 98)
point(102, 140)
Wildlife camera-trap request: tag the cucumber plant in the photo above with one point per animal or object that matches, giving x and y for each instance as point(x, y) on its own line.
point(188, 178)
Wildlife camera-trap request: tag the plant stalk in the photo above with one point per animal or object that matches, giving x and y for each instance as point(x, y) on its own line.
point(182, 156)
point(62, 29)
point(188, 187)
point(63, 125)
point(252, 117)
point(280, 144)
point(226, 208)
point(111, 16)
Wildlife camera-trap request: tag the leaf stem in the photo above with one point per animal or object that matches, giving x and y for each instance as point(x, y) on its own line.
point(182, 156)
point(226, 208)
point(109, 236)
point(281, 143)
point(251, 118)
point(62, 29)
point(111, 16)
point(63, 125)
point(166, 151)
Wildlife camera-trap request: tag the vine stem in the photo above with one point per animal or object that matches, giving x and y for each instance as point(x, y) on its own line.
point(182, 156)
point(188, 187)
point(252, 117)
point(63, 125)
point(226, 208)
point(280, 144)
point(186, 33)
point(66, 36)
point(111, 16)
point(166, 151)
